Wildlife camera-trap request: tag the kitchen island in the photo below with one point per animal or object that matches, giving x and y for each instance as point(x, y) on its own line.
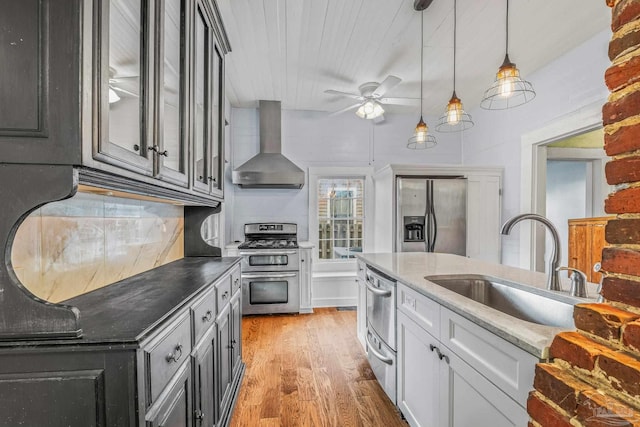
point(459, 362)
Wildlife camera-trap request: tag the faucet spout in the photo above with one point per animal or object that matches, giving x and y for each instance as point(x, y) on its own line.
point(553, 278)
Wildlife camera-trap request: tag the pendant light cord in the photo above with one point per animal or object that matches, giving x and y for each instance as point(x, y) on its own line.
point(421, 56)
point(455, 24)
point(506, 48)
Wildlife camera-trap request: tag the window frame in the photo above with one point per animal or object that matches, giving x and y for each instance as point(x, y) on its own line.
point(317, 173)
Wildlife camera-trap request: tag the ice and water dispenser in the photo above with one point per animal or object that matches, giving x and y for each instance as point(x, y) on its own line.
point(413, 228)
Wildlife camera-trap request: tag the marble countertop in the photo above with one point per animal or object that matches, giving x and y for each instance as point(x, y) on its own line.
point(411, 267)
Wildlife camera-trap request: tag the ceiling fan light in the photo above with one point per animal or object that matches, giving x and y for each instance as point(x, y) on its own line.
point(370, 110)
point(113, 96)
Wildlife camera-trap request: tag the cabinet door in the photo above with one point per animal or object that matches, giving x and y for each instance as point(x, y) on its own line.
point(41, 98)
point(125, 96)
point(204, 362)
point(224, 361)
point(483, 217)
point(174, 408)
point(418, 374)
point(216, 178)
point(172, 78)
point(361, 312)
point(236, 332)
point(469, 399)
point(305, 281)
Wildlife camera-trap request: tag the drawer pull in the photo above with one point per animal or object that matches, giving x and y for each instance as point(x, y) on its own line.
point(225, 295)
point(199, 415)
point(207, 317)
point(176, 355)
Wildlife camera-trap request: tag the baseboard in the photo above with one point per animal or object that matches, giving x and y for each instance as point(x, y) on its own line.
point(306, 310)
point(334, 302)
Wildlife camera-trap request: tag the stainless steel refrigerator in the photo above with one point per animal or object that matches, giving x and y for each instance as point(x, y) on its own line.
point(431, 214)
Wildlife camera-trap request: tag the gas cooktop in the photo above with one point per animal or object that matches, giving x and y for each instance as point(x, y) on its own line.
point(269, 244)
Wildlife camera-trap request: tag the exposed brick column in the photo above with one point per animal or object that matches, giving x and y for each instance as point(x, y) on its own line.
point(593, 377)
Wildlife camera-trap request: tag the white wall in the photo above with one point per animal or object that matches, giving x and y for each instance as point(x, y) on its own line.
point(310, 139)
point(566, 85)
point(566, 199)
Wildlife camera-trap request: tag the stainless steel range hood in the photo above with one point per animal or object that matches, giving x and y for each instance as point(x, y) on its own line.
point(269, 168)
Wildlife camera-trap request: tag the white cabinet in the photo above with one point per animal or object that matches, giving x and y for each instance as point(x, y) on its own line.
point(483, 206)
point(454, 373)
point(483, 217)
point(361, 308)
point(306, 269)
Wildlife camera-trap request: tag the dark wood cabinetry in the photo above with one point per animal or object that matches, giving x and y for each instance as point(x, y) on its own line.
point(131, 89)
point(141, 361)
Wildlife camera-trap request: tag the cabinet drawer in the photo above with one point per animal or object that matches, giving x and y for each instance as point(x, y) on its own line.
point(235, 280)
point(165, 353)
point(507, 366)
point(422, 310)
point(203, 313)
point(224, 292)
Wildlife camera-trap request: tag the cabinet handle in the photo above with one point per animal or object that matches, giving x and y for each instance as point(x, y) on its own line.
point(440, 355)
point(199, 415)
point(432, 347)
point(212, 179)
point(136, 147)
point(225, 295)
point(176, 355)
point(157, 150)
point(207, 317)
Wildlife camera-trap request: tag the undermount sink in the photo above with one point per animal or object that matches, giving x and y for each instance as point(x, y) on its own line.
point(520, 301)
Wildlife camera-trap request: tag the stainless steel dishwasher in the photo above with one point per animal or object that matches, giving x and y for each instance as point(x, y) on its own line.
point(381, 329)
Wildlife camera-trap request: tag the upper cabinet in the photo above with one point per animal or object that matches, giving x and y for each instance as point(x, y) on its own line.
point(126, 88)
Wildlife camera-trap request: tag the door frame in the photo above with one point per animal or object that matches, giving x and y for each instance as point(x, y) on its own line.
point(533, 172)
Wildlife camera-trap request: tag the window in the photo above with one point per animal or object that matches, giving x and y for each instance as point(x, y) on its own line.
point(340, 212)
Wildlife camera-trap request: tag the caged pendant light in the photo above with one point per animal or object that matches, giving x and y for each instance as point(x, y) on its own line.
point(508, 90)
point(454, 119)
point(421, 138)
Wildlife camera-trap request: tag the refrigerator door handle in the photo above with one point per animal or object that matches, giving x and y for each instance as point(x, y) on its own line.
point(427, 218)
point(434, 228)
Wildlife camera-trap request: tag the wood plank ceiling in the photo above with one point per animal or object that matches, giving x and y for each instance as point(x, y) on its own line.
point(294, 50)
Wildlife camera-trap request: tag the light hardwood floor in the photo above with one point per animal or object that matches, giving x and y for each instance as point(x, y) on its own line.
point(309, 370)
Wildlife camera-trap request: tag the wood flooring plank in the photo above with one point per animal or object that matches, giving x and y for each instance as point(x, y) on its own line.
point(309, 370)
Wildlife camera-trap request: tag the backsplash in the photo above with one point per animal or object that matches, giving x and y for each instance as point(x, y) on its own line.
point(74, 246)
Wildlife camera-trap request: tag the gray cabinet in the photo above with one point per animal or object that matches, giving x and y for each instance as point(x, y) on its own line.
point(152, 355)
point(208, 102)
point(40, 105)
point(124, 90)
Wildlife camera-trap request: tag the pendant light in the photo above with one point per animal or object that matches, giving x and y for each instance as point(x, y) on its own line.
point(454, 119)
point(421, 138)
point(508, 90)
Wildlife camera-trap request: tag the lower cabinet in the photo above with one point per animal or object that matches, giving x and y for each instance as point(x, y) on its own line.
point(306, 271)
point(439, 387)
point(204, 368)
point(185, 372)
point(174, 405)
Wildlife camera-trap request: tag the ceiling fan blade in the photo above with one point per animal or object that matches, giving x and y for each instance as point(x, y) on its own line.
point(401, 101)
point(126, 92)
point(386, 85)
point(351, 107)
point(347, 94)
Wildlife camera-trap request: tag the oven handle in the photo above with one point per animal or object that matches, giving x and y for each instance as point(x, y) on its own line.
point(267, 275)
point(268, 253)
point(376, 291)
point(377, 354)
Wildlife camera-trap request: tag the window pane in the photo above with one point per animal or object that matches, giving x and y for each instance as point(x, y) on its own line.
point(340, 217)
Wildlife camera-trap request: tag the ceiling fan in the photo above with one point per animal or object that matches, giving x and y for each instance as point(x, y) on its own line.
point(371, 98)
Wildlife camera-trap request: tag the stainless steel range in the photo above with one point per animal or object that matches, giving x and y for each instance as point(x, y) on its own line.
point(270, 277)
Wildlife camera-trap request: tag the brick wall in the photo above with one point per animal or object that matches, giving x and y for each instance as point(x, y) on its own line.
point(593, 378)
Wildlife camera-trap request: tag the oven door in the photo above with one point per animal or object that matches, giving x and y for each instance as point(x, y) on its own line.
point(270, 292)
point(269, 260)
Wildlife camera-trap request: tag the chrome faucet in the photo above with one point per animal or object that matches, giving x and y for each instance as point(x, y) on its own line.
point(553, 278)
point(578, 282)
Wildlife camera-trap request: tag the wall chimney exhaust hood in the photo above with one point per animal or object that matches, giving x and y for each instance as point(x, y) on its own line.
point(269, 168)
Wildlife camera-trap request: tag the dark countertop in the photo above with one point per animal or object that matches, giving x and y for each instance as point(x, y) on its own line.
point(126, 311)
